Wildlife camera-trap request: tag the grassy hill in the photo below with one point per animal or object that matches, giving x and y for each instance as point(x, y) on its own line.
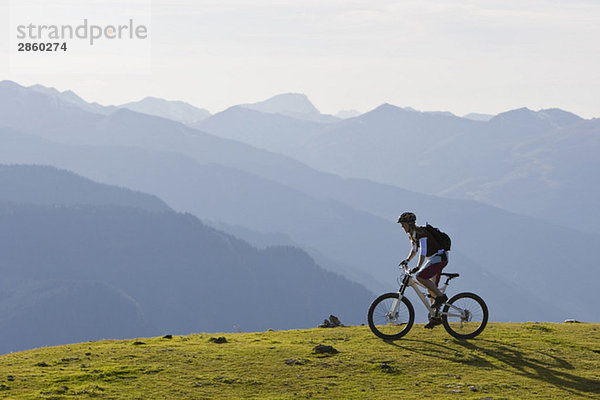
point(530, 360)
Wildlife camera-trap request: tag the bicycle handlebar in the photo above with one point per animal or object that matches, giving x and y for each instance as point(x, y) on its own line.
point(406, 269)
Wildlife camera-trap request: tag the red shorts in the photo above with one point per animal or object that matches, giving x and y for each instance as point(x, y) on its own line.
point(433, 269)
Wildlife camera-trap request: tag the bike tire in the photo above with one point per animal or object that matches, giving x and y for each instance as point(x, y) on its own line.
point(390, 328)
point(477, 319)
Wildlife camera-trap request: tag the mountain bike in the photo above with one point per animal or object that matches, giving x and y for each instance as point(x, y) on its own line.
point(392, 315)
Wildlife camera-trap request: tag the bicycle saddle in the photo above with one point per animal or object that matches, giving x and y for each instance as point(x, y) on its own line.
point(450, 276)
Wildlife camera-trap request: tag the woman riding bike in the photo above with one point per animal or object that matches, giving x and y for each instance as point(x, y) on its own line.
point(432, 260)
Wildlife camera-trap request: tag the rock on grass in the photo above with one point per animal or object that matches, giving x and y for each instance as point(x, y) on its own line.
point(323, 349)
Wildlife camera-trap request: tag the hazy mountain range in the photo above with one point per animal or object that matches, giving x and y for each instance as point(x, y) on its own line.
point(347, 224)
point(175, 110)
point(534, 163)
point(74, 251)
point(295, 105)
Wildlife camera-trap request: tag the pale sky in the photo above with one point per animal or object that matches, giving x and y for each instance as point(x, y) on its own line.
point(458, 56)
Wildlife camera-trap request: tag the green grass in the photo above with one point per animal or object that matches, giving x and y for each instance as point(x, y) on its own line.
point(508, 361)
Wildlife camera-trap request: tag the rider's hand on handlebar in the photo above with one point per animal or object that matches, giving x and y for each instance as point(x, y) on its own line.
point(404, 263)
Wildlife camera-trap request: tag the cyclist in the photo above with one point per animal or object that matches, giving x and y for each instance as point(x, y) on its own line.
point(432, 259)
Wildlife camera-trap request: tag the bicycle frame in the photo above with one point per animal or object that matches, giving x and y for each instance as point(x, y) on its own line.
point(409, 281)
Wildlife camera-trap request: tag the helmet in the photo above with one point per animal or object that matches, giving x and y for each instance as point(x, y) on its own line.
point(408, 217)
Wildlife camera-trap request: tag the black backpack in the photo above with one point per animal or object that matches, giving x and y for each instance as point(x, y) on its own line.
point(442, 239)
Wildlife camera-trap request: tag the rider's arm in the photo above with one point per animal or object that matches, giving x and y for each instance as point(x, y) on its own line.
point(422, 252)
point(413, 251)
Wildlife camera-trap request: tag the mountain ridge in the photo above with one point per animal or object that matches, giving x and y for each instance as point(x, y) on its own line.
point(43, 185)
point(164, 271)
point(296, 105)
point(172, 109)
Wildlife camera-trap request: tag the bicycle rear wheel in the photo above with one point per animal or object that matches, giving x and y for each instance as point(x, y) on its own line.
point(388, 324)
point(465, 315)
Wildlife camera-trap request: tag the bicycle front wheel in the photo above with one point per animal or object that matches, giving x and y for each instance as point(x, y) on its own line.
point(465, 315)
point(389, 323)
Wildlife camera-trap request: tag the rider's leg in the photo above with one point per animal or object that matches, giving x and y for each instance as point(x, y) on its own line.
point(433, 269)
point(430, 285)
point(432, 295)
point(435, 318)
